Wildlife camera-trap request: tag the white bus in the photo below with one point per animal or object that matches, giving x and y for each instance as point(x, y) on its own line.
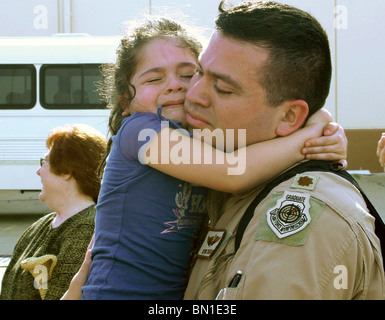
point(45, 82)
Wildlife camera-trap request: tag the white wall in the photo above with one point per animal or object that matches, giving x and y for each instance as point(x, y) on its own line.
point(361, 65)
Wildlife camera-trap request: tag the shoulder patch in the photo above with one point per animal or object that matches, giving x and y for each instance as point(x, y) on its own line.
point(211, 243)
point(290, 215)
point(305, 181)
point(289, 218)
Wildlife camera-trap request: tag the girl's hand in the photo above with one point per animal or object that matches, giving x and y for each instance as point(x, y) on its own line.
point(381, 151)
point(331, 146)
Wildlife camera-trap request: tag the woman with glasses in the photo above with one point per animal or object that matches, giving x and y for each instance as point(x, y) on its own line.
point(51, 250)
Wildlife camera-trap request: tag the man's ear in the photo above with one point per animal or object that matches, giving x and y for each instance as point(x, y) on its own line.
point(294, 115)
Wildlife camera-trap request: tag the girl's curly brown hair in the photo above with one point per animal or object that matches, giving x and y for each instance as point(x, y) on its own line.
point(117, 77)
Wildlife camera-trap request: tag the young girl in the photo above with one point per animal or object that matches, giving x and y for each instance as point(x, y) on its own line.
point(146, 221)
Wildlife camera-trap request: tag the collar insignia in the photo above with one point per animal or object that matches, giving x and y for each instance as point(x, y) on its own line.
point(305, 181)
point(211, 243)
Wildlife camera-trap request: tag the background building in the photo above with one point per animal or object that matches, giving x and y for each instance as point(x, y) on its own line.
point(355, 27)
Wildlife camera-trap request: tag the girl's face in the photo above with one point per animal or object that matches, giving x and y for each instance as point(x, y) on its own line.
point(162, 78)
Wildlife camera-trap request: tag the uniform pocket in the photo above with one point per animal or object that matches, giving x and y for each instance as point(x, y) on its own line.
point(231, 293)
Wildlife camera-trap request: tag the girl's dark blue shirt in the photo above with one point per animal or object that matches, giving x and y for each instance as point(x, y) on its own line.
point(146, 222)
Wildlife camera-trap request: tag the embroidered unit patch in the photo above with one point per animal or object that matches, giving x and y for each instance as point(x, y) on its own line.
point(211, 243)
point(290, 215)
point(304, 181)
point(265, 233)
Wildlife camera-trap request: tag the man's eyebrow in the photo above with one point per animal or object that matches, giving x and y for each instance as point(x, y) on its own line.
point(225, 78)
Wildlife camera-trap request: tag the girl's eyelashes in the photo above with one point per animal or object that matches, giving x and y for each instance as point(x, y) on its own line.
point(183, 76)
point(154, 79)
point(188, 76)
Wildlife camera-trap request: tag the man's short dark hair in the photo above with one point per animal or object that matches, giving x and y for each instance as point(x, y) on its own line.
point(299, 64)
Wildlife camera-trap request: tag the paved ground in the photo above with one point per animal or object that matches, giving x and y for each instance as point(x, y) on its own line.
point(11, 228)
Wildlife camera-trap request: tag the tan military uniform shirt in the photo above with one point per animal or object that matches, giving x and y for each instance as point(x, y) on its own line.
point(311, 238)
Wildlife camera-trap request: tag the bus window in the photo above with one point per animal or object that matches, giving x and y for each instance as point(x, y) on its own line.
point(17, 86)
point(70, 86)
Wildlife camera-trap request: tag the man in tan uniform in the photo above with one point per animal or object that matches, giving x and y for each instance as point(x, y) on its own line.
point(266, 69)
